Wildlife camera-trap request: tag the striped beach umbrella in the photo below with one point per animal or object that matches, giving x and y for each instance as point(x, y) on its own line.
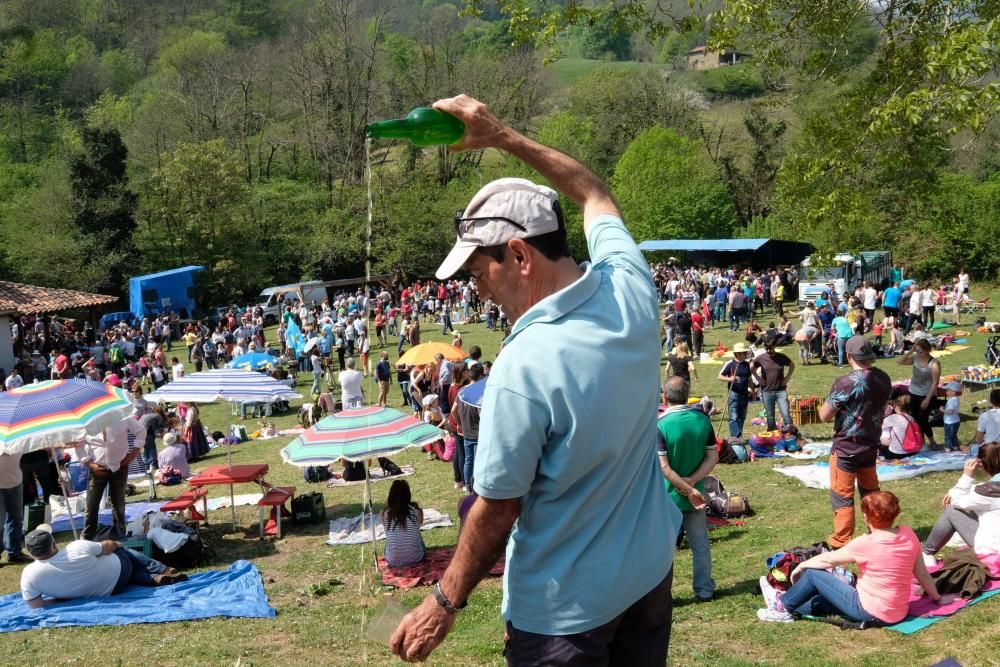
point(357, 435)
point(255, 361)
point(224, 384)
point(53, 413)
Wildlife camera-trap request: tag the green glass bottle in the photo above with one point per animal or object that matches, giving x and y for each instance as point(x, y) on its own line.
point(423, 126)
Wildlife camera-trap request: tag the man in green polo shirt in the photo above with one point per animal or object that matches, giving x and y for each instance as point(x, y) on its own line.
point(687, 454)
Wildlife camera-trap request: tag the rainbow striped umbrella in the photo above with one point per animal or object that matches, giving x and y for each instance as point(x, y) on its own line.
point(357, 435)
point(56, 412)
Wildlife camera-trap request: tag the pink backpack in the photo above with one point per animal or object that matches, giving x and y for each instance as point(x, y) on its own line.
point(913, 437)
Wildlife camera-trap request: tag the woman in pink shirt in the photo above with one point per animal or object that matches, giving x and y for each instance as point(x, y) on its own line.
point(888, 558)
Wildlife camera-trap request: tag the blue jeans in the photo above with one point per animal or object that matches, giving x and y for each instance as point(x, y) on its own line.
point(841, 350)
point(470, 461)
point(399, 345)
point(821, 593)
point(696, 529)
point(951, 435)
point(779, 397)
point(11, 517)
point(136, 569)
point(149, 454)
point(317, 377)
point(734, 319)
point(737, 408)
point(720, 313)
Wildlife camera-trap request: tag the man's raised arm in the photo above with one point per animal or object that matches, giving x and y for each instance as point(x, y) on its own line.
point(564, 173)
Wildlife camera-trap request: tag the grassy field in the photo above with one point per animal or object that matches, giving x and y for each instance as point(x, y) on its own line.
point(310, 629)
point(568, 71)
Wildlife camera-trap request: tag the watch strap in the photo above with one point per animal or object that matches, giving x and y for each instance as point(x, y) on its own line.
point(443, 600)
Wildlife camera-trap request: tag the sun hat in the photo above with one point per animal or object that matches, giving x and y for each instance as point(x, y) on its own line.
point(740, 347)
point(429, 399)
point(169, 439)
point(502, 210)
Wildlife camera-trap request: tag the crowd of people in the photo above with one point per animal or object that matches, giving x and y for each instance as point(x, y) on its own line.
point(551, 479)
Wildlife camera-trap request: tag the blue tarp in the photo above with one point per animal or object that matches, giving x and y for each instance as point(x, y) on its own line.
point(236, 592)
point(755, 252)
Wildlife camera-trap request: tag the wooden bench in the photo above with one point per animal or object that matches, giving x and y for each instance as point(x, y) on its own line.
point(275, 498)
point(186, 502)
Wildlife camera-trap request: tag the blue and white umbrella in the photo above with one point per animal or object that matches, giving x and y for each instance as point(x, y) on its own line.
point(224, 384)
point(473, 393)
point(257, 361)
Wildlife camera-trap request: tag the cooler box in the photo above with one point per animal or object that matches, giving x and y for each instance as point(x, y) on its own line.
point(78, 476)
point(308, 508)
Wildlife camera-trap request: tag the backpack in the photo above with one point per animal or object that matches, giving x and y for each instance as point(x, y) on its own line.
point(192, 553)
point(722, 503)
point(780, 565)
point(313, 474)
point(913, 437)
point(169, 476)
point(116, 355)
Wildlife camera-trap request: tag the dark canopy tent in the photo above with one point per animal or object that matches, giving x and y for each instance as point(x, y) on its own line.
point(757, 253)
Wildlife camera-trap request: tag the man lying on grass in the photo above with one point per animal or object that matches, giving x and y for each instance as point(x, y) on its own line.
point(85, 569)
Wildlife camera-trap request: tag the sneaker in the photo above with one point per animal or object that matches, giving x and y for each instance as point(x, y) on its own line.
point(774, 616)
point(772, 596)
point(19, 558)
point(929, 560)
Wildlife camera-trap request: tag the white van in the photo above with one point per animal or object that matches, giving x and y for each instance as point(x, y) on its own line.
point(274, 299)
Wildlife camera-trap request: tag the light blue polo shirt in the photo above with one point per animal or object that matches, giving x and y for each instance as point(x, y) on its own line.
point(568, 425)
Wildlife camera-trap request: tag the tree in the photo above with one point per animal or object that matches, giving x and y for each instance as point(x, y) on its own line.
point(104, 206)
point(603, 40)
point(751, 182)
point(933, 64)
point(621, 103)
point(668, 188)
point(198, 215)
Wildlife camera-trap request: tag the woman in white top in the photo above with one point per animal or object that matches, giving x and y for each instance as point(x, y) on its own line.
point(972, 510)
point(352, 393)
point(894, 429)
point(928, 302)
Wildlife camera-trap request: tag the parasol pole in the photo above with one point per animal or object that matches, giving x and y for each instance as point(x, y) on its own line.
point(62, 483)
point(371, 513)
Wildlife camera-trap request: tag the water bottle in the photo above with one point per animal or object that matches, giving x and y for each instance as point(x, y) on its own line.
point(423, 126)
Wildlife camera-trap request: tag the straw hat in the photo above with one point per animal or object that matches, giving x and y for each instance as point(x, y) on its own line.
point(740, 347)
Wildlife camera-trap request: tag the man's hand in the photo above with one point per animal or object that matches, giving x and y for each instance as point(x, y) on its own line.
point(482, 129)
point(697, 500)
point(421, 631)
point(109, 546)
point(97, 470)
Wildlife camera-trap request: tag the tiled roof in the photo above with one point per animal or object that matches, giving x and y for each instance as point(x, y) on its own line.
point(20, 298)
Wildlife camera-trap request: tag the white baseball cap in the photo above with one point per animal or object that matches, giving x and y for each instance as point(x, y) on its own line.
point(504, 209)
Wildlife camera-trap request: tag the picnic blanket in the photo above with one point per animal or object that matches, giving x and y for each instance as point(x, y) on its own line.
point(236, 592)
point(61, 522)
point(817, 475)
point(374, 473)
point(923, 612)
point(722, 522)
point(426, 572)
point(355, 530)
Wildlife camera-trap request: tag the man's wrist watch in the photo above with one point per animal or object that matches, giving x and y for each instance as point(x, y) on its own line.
point(443, 600)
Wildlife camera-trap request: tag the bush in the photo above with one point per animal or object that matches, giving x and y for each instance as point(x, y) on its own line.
point(739, 81)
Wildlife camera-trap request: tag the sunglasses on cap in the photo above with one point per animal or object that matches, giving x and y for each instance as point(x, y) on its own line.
point(460, 222)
